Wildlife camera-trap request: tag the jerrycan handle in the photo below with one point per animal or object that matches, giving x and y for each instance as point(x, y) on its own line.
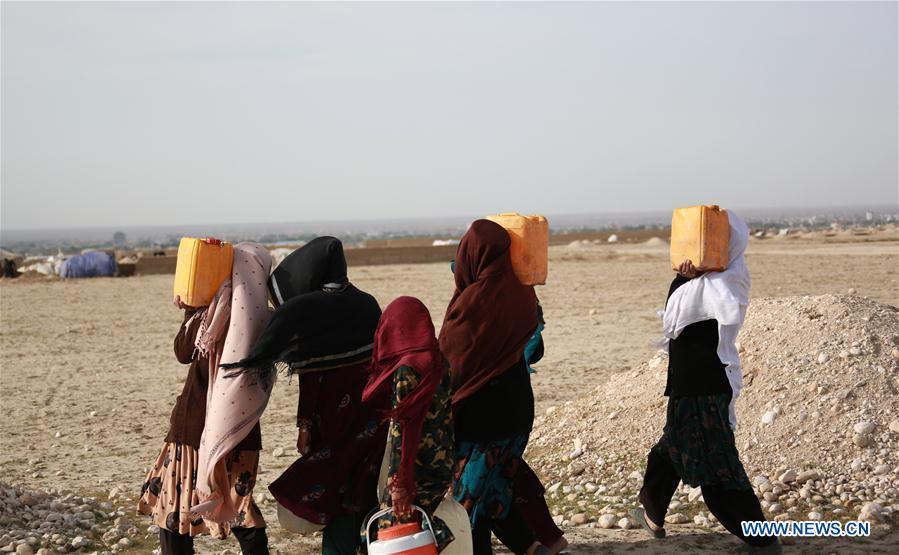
point(213, 241)
point(374, 519)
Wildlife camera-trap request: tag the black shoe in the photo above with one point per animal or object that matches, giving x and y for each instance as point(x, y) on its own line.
point(639, 515)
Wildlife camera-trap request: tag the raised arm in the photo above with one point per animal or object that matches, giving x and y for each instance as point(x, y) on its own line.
point(187, 335)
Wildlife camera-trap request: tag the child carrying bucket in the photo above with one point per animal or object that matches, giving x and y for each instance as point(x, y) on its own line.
point(408, 366)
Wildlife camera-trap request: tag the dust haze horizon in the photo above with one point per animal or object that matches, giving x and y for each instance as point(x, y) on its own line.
point(167, 114)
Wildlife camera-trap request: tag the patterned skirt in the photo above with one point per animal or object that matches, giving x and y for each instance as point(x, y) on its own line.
point(484, 480)
point(700, 444)
point(170, 491)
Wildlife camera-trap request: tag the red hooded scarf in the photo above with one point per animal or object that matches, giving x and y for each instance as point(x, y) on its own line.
point(405, 337)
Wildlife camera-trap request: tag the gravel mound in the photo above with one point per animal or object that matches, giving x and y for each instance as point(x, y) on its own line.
point(37, 522)
point(818, 422)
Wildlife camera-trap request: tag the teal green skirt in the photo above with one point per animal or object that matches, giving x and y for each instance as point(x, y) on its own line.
point(700, 444)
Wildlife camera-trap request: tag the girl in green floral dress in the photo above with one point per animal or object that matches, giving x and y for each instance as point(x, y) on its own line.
point(407, 361)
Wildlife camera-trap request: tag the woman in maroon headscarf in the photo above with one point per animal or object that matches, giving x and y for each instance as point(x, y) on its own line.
point(407, 366)
point(490, 320)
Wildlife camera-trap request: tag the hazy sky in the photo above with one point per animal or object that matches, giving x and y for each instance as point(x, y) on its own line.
point(165, 113)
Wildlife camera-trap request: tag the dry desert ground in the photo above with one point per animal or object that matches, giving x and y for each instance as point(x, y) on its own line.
point(89, 378)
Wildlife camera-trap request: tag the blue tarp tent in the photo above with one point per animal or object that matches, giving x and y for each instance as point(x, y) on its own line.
point(89, 264)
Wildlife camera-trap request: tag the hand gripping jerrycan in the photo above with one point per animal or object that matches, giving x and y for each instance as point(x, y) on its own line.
point(202, 266)
point(402, 539)
point(700, 234)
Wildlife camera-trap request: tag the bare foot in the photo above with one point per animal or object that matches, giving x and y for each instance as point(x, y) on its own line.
point(652, 524)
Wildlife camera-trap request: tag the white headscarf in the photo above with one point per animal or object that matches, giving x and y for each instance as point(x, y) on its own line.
point(723, 296)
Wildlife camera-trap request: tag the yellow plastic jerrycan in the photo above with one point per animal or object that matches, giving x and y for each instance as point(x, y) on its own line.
point(203, 265)
point(700, 234)
point(530, 245)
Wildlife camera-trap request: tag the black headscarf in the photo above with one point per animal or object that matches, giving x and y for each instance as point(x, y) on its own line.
point(318, 263)
point(321, 321)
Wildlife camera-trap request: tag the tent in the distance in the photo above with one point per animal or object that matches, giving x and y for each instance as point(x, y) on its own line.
point(89, 264)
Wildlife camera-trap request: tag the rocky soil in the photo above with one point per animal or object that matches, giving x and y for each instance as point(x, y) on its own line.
point(43, 522)
point(818, 426)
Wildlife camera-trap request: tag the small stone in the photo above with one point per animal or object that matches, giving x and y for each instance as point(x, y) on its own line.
point(579, 519)
point(769, 417)
point(278, 452)
point(870, 511)
point(854, 351)
point(881, 469)
point(57, 435)
point(864, 428)
point(607, 521)
point(576, 469)
point(894, 426)
point(823, 357)
point(851, 291)
point(895, 353)
point(814, 515)
point(624, 524)
point(695, 494)
point(677, 518)
point(788, 476)
point(807, 475)
point(635, 476)
point(24, 549)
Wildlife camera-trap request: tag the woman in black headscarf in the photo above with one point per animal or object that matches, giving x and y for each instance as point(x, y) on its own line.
point(323, 330)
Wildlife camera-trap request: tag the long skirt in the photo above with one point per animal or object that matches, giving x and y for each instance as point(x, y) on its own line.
point(484, 480)
point(169, 492)
point(699, 442)
point(339, 476)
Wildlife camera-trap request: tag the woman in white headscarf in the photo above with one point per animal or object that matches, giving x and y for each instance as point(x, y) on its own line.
point(702, 318)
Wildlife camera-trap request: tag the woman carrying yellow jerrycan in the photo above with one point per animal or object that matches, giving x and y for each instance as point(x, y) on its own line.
point(703, 316)
point(407, 366)
point(186, 473)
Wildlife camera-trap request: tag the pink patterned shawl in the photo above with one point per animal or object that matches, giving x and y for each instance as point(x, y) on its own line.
point(236, 317)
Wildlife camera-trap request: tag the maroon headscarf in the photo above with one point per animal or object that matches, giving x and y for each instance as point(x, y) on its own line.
point(491, 316)
point(405, 337)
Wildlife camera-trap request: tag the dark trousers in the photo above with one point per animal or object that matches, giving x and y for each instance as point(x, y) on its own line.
point(729, 506)
point(530, 499)
point(513, 531)
point(253, 541)
point(341, 535)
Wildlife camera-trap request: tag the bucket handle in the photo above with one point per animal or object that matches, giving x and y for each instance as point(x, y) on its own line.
point(374, 519)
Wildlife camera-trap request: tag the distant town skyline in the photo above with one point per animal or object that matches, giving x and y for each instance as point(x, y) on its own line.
point(167, 114)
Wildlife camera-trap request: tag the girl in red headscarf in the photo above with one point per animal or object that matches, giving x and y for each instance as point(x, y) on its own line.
point(407, 365)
